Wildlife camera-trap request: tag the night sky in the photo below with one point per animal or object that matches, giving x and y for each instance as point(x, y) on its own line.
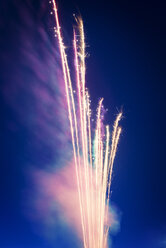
point(126, 43)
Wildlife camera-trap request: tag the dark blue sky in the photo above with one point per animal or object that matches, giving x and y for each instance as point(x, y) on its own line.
point(127, 67)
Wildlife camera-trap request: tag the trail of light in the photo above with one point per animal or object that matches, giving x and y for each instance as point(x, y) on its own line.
point(77, 141)
point(98, 139)
point(85, 123)
point(115, 138)
point(82, 70)
point(98, 166)
point(113, 148)
point(91, 168)
point(113, 157)
point(104, 186)
point(79, 96)
point(95, 180)
point(66, 75)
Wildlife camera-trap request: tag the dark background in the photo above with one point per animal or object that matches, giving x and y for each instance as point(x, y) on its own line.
point(127, 67)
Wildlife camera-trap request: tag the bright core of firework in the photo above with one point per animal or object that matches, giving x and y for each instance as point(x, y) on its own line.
point(94, 157)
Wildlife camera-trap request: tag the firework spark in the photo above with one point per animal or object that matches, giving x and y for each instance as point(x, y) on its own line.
point(93, 157)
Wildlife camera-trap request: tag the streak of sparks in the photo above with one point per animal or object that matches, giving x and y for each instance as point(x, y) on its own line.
point(94, 184)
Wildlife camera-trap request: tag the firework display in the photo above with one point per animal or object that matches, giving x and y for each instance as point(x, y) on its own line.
point(93, 150)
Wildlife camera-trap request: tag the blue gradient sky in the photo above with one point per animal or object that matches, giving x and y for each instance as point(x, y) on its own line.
point(127, 67)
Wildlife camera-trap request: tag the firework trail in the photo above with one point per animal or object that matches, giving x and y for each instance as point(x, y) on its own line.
point(93, 157)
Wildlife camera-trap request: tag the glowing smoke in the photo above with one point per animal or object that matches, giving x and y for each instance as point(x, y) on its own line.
point(60, 188)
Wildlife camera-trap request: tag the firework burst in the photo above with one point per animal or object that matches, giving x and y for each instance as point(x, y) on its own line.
point(93, 154)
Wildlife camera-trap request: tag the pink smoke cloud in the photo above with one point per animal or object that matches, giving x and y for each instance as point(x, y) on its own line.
point(61, 187)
